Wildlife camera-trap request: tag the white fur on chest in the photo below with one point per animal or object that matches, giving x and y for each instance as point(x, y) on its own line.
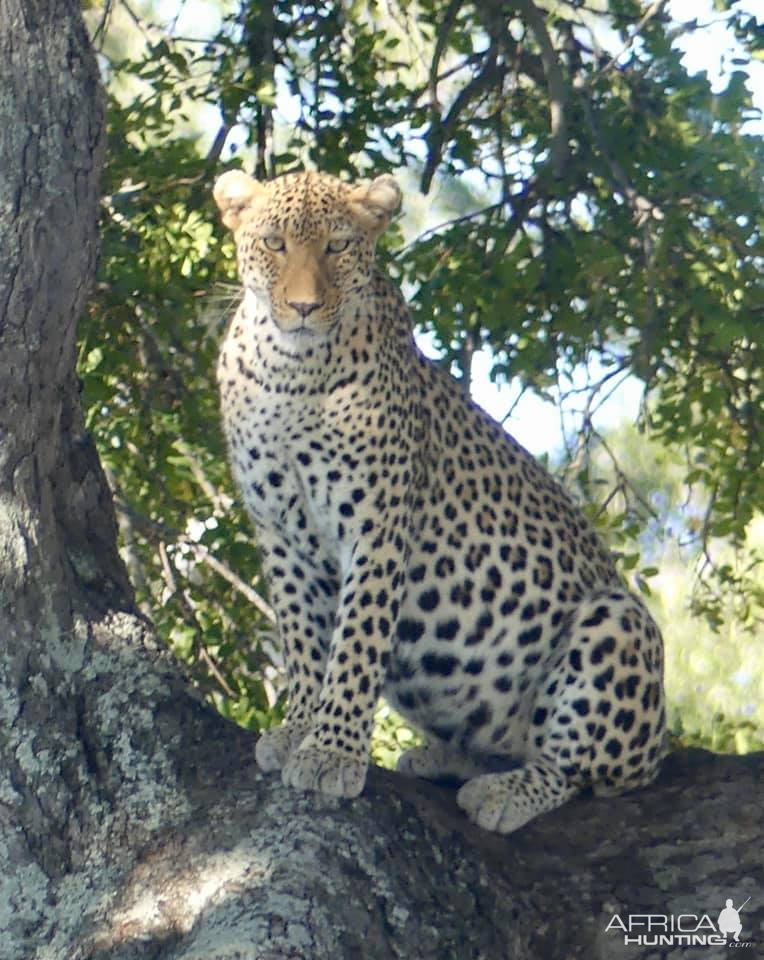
point(290, 451)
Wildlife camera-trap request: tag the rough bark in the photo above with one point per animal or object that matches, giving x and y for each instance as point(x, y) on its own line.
point(256, 871)
point(92, 714)
point(132, 820)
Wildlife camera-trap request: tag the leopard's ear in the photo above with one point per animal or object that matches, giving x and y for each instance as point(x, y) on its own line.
point(375, 202)
point(234, 192)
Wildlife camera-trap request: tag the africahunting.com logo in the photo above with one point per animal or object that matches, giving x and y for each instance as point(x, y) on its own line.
point(684, 929)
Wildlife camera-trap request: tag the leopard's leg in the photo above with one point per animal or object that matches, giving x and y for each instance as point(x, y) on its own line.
point(333, 756)
point(598, 720)
point(303, 593)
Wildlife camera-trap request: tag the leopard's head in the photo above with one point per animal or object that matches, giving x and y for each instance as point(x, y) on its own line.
point(305, 242)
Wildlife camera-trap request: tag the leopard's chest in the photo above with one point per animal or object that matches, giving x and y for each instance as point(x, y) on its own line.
point(322, 447)
point(281, 462)
point(303, 470)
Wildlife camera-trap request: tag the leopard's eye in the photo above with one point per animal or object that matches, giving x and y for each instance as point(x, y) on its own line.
point(338, 245)
point(275, 244)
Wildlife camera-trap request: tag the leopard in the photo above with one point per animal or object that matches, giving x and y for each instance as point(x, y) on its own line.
point(413, 550)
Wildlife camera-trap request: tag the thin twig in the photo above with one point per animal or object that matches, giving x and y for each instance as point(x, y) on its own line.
point(623, 480)
point(515, 402)
point(191, 606)
point(651, 12)
point(220, 502)
point(156, 532)
point(138, 21)
point(99, 33)
point(446, 225)
point(234, 579)
point(642, 208)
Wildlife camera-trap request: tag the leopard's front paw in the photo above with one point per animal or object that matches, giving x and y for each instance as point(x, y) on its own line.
point(314, 767)
point(274, 746)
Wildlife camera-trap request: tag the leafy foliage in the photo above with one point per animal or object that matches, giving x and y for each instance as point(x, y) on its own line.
point(603, 205)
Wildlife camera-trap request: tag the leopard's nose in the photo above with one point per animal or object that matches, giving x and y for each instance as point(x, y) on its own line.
point(303, 307)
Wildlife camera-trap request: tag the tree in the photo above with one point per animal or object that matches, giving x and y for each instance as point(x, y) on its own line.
point(133, 823)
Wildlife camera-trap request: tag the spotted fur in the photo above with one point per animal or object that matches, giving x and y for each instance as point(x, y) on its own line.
point(411, 546)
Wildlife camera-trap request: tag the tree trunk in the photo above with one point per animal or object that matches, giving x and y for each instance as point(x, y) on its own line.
point(92, 715)
point(133, 823)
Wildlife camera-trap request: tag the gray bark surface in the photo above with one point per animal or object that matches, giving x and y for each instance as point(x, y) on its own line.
point(133, 823)
point(257, 872)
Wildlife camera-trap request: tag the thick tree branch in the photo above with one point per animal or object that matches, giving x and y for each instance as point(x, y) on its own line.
point(398, 872)
point(558, 144)
point(259, 38)
point(441, 41)
point(442, 128)
point(494, 15)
